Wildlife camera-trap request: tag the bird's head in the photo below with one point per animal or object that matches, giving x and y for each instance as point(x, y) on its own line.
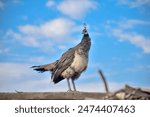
point(85, 32)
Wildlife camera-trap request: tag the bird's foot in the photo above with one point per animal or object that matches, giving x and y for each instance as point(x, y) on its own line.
point(69, 91)
point(73, 92)
point(76, 92)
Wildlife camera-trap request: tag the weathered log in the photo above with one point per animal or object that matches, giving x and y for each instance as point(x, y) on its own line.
point(50, 96)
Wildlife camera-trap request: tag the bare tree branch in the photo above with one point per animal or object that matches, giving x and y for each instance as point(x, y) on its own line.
point(104, 80)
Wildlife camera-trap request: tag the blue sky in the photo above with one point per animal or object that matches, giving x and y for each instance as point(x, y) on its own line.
point(35, 32)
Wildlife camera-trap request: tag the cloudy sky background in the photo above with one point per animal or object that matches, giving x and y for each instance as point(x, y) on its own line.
point(35, 32)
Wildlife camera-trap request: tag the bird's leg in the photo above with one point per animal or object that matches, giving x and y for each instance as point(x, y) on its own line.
point(74, 87)
point(69, 85)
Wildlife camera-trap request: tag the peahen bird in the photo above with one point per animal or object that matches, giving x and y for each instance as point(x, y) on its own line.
point(71, 64)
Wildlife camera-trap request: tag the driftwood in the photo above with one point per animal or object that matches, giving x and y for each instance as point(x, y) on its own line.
point(104, 80)
point(130, 93)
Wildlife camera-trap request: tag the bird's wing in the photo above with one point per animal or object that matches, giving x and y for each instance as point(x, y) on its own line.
point(64, 62)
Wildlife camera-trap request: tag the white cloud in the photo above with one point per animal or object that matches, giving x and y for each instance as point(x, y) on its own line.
point(11, 73)
point(127, 23)
point(134, 3)
point(27, 40)
point(50, 3)
point(125, 30)
point(2, 5)
point(131, 23)
point(58, 28)
point(15, 76)
point(99, 87)
point(139, 68)
point(29, 29)
point(76, 9)
point(136, 39)
point(45, 35)
point(13, 70)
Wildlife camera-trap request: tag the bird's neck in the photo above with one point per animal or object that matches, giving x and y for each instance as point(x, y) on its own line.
point(85, 38)
point(86, 42)
point(85, 35)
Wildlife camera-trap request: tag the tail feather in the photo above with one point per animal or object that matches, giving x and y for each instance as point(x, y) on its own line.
point(40, 69)
point(43, 68)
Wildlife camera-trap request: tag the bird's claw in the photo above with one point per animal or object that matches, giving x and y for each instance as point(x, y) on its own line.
point(73, 91)
point(76, 92)
point(69, 91)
